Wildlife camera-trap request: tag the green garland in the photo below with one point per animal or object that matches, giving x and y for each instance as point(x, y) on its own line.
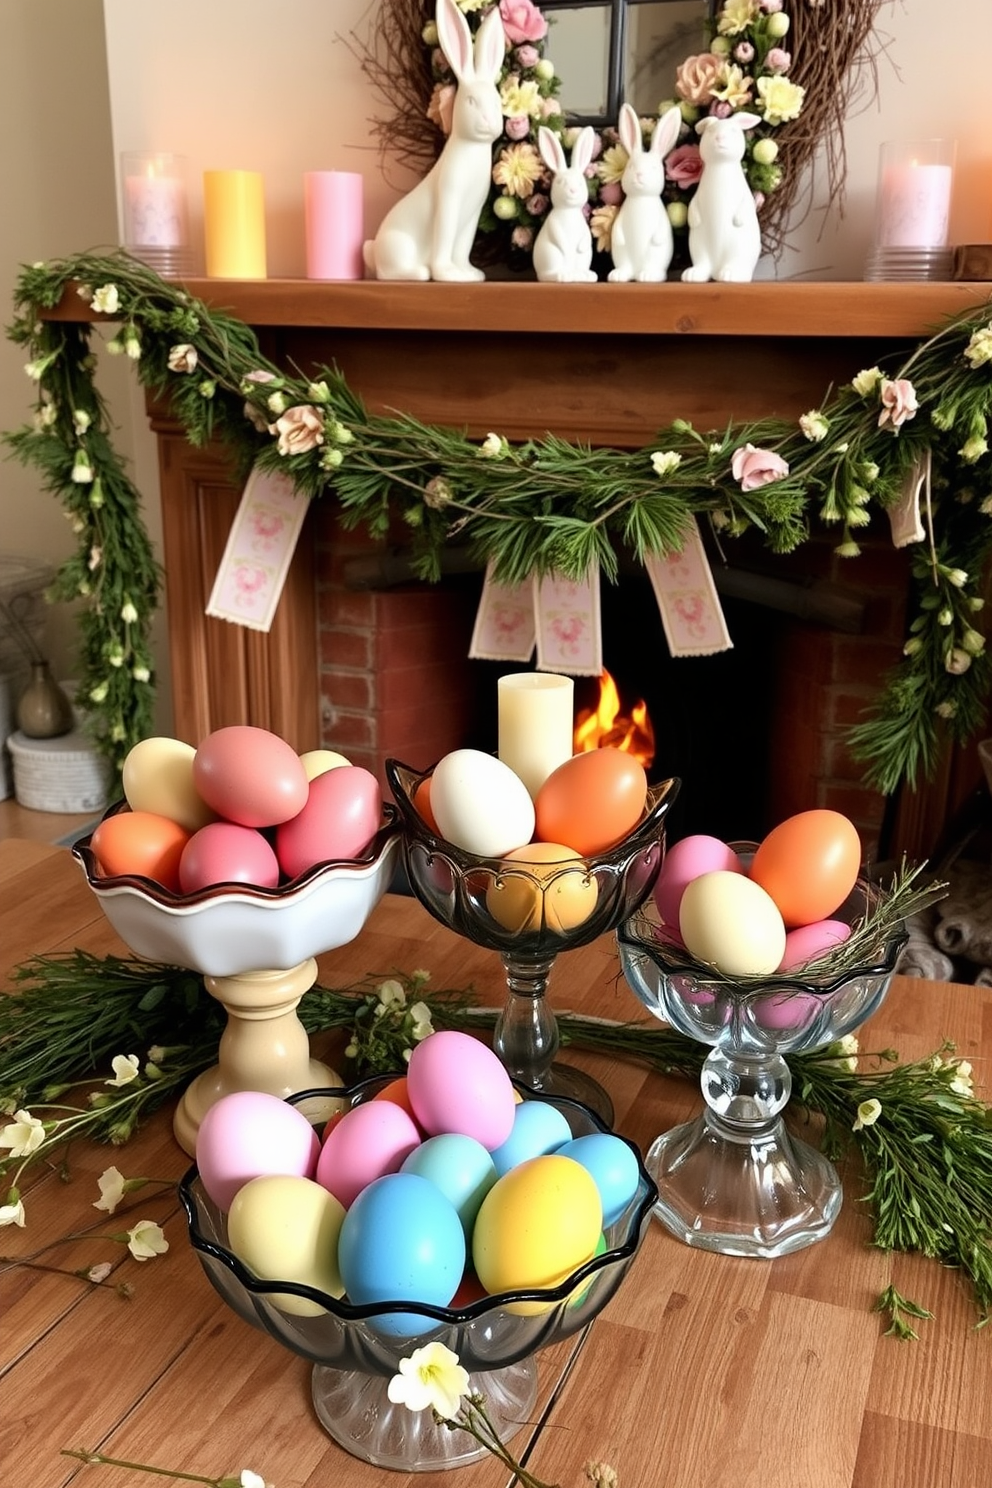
point(540, 506)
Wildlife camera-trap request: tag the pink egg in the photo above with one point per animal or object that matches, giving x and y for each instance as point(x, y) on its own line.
point(250, 776)
point(807, 942)
point(247, 1134)
point(367, 1142)
point(457, 1084)
point(781, 1011)
point(223, 852)
point(342, 814)
point(686, 860)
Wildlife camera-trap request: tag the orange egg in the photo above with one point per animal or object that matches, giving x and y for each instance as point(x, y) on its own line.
point(422, 804)
point(808, 864)
point(551, 888)
point(139, 842)
point(592, 801)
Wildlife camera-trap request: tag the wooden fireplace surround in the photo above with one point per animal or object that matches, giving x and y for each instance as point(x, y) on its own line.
point(606, 364)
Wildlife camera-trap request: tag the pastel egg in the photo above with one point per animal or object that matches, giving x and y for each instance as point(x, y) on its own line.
point(158, 777)
point(140, 843)
point(479, 804)
point(460, 1167)
point(286, 1228)
point(401, 1240)
point(537, 1224)
point(342, 814)
point(317, 761)
point(614, 1168)
point(368, 1141)
point(223, 852)
point(592, 801)
point(247, 1134)
point(551, 889)
point(456, 1083)
point(810, 942)
point(250, 776)
point(809, 864)
point(786, 1010)
point(538, 1128)
point(686, 860)
point(731, 923)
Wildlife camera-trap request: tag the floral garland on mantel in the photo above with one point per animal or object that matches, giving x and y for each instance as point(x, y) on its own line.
point(541, 506)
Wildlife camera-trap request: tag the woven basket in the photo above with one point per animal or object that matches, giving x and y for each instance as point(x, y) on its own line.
point(64, 774)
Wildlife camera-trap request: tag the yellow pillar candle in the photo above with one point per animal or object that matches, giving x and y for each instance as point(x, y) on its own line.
point(534, 716)
point(234, 224)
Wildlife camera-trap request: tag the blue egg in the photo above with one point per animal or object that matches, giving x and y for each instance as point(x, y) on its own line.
point(401, 1241)
point(613, 1167)
point(538, 1129)
point(460, 1167)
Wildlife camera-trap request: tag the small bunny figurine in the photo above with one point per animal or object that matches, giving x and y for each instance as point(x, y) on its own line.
point(428, 234)
point(724, 237)
point(641, 242)
point(563, 247)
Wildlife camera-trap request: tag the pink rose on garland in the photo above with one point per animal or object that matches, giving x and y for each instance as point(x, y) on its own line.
point(684, 165)
point(698, 76)
point(522, 21)
point(300, 429)
point(899, 403)
point(754, 467)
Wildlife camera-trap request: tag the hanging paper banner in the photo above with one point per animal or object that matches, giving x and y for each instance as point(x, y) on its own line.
point(904, 516)
point(504, 622)
point(259, 550)
point(690, 607)
point(569, 624)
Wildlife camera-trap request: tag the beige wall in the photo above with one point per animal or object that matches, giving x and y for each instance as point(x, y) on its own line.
point(237, 83)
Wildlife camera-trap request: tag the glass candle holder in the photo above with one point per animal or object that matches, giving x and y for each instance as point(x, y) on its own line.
point(154, 198)
point(912, 215)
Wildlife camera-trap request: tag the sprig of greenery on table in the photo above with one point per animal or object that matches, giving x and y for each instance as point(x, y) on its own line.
point(926, 1150)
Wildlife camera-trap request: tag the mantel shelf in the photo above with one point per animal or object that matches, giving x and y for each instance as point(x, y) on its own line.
point(768, 309)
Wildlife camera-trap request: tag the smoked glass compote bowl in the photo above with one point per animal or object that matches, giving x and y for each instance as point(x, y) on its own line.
point(496, 1336)
point(255, 949)
point(457, 888)
point(735, 1179)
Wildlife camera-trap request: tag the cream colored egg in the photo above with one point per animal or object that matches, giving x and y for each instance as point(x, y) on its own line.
point(480, 804)
point(158, 777)
point(551, 887)
point(318, 761)
point(729, 922)
point(285, 1228)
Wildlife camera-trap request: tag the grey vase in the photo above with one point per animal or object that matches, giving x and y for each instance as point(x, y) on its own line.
point(43, 710)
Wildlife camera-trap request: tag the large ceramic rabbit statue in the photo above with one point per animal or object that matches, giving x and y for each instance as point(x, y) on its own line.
point(428, 234)
point(724, 237)
point(563, 247)
point(641, 242)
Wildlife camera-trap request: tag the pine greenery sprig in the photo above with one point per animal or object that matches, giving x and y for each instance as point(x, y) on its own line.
point(536, 507)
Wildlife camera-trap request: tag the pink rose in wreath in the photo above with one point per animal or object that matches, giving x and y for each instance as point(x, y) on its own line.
point(698, 76)
point(522, 21)
point(684, 165)
point(754, 467)
point(899, 403)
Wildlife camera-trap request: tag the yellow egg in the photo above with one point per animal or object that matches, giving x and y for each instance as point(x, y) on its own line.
point(285, 1228)
point(318, 761)
point(562, 898)
point(731, 923)
point(537, 1224)
point(158, 777)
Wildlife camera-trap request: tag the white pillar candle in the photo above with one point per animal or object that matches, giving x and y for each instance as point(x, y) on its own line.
point(535, 724)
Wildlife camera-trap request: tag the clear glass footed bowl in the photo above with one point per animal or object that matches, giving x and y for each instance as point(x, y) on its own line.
point(353, 1361)
point(735, 1179)
point(530, 914)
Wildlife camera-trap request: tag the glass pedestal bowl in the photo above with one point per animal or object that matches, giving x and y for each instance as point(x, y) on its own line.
point(462, 891)
point(255, 949)
point(735, 1180)
point(354, 1360)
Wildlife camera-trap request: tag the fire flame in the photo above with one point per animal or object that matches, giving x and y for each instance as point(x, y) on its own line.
point(605, 727)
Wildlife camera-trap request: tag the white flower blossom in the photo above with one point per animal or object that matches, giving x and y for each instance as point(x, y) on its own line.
point(430, 1378)
point(663, 462)
point(391, 994)
point(814, 425)
point(146, 1239)
point(12, 1213)
point(493, 447)
point(111, 1182)
point(82, 470)
point(183, 358)
point(99, 1272)
point(125, 1068)
point(24, 1135)
point(106, 299)
point(141, 674)
point(957, 661)
point(866, 381)
point(81, 420)
point(868, 1113)
point(422, 1025)
point(128, 612)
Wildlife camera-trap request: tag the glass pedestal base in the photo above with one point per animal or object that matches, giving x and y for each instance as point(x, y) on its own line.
point(356, 1411)
point(564, 1081)
point(755, 1192)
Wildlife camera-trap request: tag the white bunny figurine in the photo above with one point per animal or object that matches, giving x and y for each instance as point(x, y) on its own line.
point(563, 247)
point(428, 234)
point(641, 242)
point(724, 237)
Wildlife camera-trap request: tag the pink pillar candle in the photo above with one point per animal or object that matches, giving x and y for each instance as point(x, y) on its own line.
point(914, 199)
point(335, 224)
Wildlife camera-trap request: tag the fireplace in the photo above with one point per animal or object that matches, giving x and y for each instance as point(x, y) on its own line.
point(376, 667)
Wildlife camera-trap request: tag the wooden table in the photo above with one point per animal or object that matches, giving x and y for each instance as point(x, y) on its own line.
point(703, 1370)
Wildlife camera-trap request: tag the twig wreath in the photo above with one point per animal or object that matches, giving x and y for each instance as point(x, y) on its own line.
point(541, 506)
